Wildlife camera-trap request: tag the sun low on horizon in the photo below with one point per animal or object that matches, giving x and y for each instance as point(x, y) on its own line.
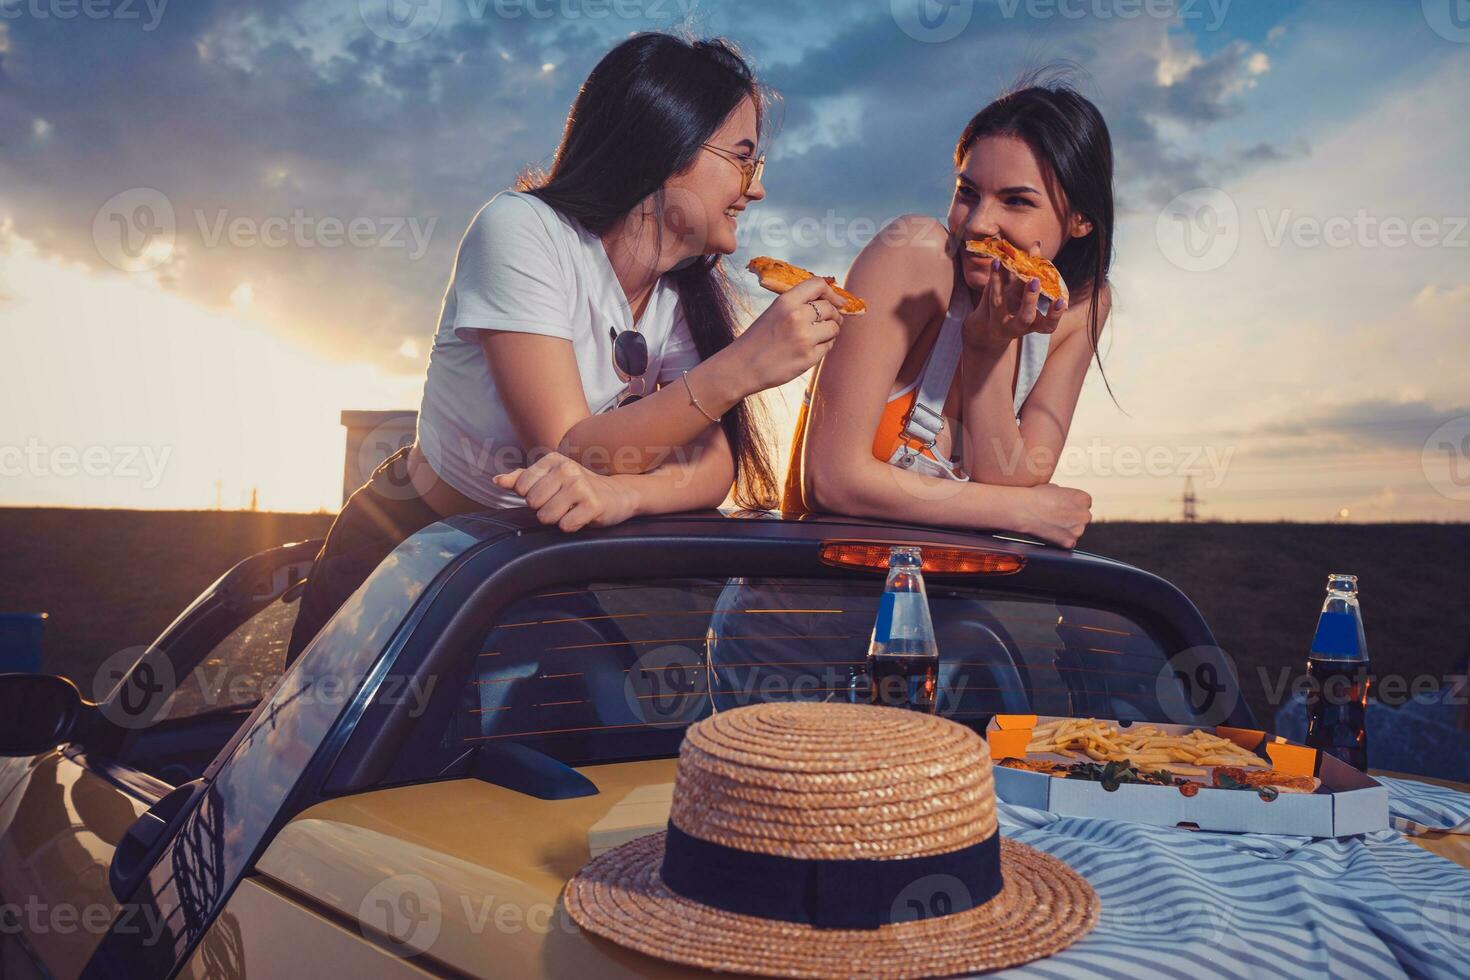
point(224, 406)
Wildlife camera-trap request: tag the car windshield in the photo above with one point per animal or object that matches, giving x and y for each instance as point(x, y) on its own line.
point(608, 671)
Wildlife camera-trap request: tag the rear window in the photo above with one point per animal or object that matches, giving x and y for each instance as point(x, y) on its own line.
point(610, 671)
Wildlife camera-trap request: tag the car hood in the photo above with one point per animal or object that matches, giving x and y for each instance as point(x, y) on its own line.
point(484, 864)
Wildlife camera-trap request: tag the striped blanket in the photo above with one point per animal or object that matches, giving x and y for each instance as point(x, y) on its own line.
point(1194, 905)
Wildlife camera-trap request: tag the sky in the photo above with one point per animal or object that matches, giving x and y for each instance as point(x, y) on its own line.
point(221, 224)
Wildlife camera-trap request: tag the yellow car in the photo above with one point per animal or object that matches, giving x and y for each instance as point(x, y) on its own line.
point(498, 702)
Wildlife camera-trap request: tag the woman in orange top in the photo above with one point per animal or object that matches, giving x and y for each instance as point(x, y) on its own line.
point(964, 337)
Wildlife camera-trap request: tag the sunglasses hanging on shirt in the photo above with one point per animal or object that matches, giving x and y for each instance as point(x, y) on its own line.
point(630, 360)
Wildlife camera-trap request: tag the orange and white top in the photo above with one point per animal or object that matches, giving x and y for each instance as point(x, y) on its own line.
point(913, 415)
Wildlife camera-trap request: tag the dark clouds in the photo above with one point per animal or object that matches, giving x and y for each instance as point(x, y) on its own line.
point(914, 99)
point(1202, 94)
point(273, 115)
point(1371, 424)
point(283, 108)
point(1264, 152)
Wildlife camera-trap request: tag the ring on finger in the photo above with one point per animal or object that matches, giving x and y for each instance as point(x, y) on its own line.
point(816, 311)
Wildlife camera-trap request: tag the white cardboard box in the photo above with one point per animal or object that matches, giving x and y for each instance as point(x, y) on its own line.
point(1348, 802)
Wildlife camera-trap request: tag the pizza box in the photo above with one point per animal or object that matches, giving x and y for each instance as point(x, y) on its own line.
point(1347, 802)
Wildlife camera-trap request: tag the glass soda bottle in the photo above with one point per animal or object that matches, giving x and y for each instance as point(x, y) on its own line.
point(903, 658)
point(1337, 666)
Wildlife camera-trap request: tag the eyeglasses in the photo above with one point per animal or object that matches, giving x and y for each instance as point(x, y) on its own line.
point(630, 360)
point(750, 170)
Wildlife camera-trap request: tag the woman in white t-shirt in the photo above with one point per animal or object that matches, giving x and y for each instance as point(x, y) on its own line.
point(586, 362)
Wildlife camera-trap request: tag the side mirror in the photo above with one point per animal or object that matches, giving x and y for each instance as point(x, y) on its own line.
point(37, 712)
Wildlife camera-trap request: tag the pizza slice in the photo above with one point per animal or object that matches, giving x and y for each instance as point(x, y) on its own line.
point(1256, 778)
point(778, 276)
point(1020, 263)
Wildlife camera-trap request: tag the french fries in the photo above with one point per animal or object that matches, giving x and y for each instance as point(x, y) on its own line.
point(1143, 746)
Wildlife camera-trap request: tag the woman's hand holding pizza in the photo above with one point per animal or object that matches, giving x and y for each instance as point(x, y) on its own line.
point(1008, 309)
point(794, 333)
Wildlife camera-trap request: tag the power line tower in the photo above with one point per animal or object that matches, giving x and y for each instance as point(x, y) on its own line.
point(1190, 501)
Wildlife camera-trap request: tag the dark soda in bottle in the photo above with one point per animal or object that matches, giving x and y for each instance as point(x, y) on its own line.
point(1337, 668)
point(903, 657)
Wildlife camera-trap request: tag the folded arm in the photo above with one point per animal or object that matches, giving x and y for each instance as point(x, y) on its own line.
point(538, 381)
point(997, 449)
point(568, 494)
point(698, 476)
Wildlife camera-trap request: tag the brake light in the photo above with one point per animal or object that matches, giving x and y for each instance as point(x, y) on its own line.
point(936, 559)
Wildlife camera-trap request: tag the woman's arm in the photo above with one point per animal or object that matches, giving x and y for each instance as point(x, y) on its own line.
point(568, 494)
point(999, 451)
point(905, 276)
point(698, 477)
point(539, 382)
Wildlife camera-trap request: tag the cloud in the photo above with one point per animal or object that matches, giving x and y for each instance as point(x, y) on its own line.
point(1201, 90)
point(874, 143)
point(1325, 364)
point(1444, 306)
point(284, 117)
point(1357, 426)
point(1266, 152)
point(294, 116)
point(1384, 501)
point(1293, 319)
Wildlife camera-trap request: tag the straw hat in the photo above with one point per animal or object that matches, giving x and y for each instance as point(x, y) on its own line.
point(824, 840)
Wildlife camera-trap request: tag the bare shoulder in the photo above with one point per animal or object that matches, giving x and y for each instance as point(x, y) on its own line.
point(1078, 318)
point(906, 270)
point(914, 243)
point(1104, 302)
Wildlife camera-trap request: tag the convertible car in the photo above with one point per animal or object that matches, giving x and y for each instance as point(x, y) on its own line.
point(498, 702)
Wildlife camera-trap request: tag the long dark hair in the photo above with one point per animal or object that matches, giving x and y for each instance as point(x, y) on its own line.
point(1071, 142)
point(639, 119)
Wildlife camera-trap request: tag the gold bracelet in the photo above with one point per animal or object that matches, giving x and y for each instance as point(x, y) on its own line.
point(695, 401)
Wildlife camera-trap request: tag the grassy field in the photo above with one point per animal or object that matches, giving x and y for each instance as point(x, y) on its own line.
point(112, 579)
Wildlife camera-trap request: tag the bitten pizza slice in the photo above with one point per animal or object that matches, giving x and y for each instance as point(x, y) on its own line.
point(778, 276)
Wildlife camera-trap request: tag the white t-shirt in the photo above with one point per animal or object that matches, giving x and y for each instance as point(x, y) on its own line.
point(524, 266)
